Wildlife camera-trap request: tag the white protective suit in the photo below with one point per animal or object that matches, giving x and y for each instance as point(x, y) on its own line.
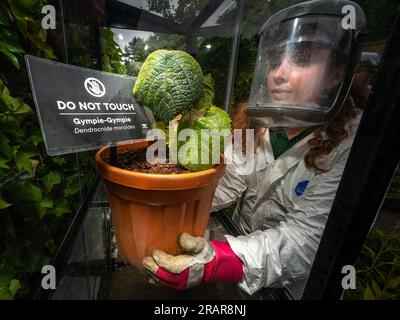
point(282, 215)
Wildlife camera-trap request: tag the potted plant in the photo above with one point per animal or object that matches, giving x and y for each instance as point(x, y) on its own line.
point(153, 201)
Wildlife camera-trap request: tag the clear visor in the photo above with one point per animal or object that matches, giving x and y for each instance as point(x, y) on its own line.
point(300, 69)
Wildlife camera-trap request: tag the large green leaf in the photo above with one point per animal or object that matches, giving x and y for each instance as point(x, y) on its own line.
point(4, 19)
point(5, 147)
point(377, 289)
point(21, 19)
point(37, 137)
point(62, 209)
point(215, 118)
point(6, 97)
point(26, 6)
point(10, 46)
point(49, 54)
point(387, 296)
point(5, 294)
point(4, 204)
point(15, 285)
point(381, 234)
point(192, 151)
point(15, 105)
point(5, 278)
point(4, 163)
point(207, 99)
point(10, 37)
point(11, 57)
point(51, 179)
point(21, 108)
point(393, 283)
point(23, 160)
point(10, 125)
point(368, 294)
point(207, 139)
point(43, 206)
point(46, 203)
point(170, 82)
point(72, 186)
point(59, 160)
point(371, 252)
point(41, 211)
point(32, 193)
point(36, 40)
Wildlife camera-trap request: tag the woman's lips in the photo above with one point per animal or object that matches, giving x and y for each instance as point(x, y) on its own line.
point(280, 94)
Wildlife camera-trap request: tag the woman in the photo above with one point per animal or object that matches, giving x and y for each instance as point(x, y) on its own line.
point(304, 124)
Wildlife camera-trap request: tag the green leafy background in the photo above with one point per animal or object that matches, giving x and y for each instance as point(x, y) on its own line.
point(38, 194)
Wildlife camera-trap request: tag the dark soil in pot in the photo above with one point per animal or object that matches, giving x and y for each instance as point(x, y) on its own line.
point(135, 160)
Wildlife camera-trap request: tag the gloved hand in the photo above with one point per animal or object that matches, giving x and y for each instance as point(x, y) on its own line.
point(203, 262)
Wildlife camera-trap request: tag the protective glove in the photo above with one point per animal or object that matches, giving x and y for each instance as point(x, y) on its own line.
point(203, 262)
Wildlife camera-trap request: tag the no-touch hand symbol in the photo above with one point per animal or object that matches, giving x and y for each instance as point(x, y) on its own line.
point(95, 87)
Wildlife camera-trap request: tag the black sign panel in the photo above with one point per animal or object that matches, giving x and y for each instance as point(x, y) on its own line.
point(83, 109)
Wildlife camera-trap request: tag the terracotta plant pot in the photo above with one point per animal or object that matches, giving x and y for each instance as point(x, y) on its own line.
point(149, 211)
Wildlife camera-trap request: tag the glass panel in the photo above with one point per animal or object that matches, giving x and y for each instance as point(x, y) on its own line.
point(214, 46)
point(221, 16)
point(87, 266)
point(378, 32)
point(377, 267)
point(137, 45)
point(288, 197)
point(178, 11)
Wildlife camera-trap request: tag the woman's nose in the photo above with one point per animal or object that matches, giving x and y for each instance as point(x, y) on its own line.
point(280, 74)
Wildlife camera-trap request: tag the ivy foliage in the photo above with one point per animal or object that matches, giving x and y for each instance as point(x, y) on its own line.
point(378, 267)
point(38, 194)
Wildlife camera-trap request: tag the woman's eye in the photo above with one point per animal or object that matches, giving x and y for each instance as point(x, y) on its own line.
point(301, 58)
point(274, 63)
point(302, 62)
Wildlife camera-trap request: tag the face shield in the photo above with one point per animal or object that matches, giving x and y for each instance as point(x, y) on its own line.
point(370, 60)
point(303, 71)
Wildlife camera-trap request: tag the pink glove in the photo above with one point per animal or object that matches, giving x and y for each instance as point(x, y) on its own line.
point(203, 262)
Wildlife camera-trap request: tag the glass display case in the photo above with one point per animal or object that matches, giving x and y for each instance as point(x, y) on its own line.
point(69, 225)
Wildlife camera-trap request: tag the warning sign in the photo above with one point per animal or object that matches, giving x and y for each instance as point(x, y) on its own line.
point(83, 109)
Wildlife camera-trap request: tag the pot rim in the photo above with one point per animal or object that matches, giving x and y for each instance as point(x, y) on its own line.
point(152, 181)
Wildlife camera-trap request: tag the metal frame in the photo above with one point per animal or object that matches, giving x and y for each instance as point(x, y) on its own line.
point(234, 54)
point(227, 223)
point(122, 15)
